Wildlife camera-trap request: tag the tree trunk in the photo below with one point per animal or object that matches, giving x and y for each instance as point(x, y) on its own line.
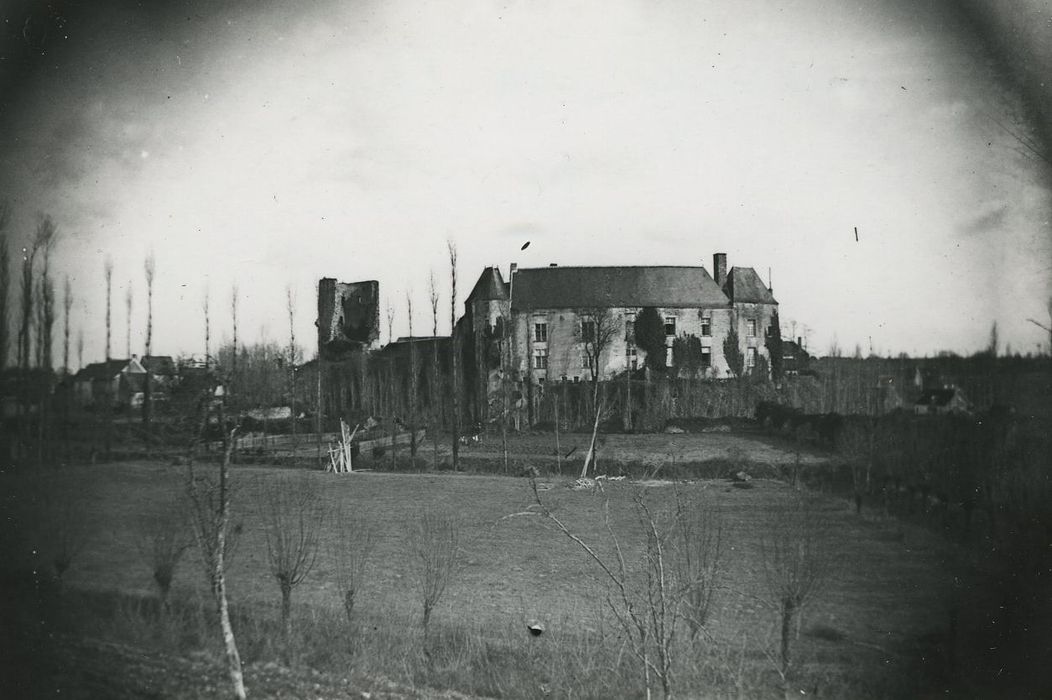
point(286, 610)
point(590, 457)
point(558, 448)
point(233, 658)
point(788, 611)
point(219, 577)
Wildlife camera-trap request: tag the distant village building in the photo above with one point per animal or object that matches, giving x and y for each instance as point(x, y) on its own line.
point(941, 401)
point(117, 382)
point(795, 359)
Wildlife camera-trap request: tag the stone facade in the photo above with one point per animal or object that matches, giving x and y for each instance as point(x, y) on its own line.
point(536, 323)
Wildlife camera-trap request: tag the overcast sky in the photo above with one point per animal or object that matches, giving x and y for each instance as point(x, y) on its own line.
point(270, 144)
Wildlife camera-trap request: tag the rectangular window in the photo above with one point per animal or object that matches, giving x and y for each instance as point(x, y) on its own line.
point(586, 360)
point(750, 358)
point(706, 327)
point(631, 358)
point(630, 331)
point(706, 357)
point(540, 332)
point(750, 328)
point(588, 331)
point(540, 359)
point(670, 325)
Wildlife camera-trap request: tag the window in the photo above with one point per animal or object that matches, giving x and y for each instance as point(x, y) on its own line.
point(586, 360)
point(540, 359)
point(750, 358)
point(588, 331)
point(750, 327)
point(631, 358)
point(670, 325)
point(706, 357)
point(706, 327)
point(540, 332)
point(630, 331)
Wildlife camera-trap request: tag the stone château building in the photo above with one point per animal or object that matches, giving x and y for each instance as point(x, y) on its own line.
point(540, 321)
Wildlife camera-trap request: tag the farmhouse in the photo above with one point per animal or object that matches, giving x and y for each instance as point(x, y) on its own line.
point(941, 401)
point(119, 382)
point(544, 320)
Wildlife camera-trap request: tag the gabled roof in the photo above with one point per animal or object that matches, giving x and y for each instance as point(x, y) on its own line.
point(490, 286)
point(160, 365)
point(612, 287)
point(108, 370)
point(744, 285)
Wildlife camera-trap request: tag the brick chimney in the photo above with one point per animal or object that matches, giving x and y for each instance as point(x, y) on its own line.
point(719, 268)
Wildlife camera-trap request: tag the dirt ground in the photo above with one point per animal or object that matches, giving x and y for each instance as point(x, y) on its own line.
point(650, 449)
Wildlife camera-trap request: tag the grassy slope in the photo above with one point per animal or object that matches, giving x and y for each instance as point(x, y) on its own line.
point(888, 589)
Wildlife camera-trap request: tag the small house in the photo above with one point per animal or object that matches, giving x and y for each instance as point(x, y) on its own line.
point(942, 401)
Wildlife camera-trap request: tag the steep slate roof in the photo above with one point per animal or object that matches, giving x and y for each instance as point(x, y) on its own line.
point(583, 287)
point(743, 284)
point(489, 287)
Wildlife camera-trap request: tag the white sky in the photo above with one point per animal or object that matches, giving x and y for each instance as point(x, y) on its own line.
point(275, 147)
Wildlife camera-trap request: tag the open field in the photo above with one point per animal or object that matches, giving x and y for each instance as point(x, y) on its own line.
point(865, 634)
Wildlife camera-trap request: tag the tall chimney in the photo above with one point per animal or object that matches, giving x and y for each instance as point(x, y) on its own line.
point(719, 268)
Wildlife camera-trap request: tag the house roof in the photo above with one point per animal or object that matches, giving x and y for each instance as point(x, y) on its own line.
point(161, 365)
point(582, 287)
point(744, 285)
point(937, 397)
point(106, 370)
point(490, 286)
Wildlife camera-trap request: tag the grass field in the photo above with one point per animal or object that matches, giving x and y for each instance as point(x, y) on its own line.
point(873, 631)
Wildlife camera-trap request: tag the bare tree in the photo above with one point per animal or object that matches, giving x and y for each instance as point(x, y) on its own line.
point(164, 538)
point(233, 361)
point(46, 237)
point(455, 374)
point(597, 331)
point(5, 281)
point(208, 329)
point(67, 308)
point(434, 541)
point(351, 549)
point(107, 270)
point(290, 306)
point(108, 397)
point(699, 542)
point(293, 515)
point(26, 328)
point(436, 407)
point(128, 299)
point(150, 270)
point(797, 564)
point(66, 527)
point(390, 323)
point(647, 597)
point(80, 348)
point(209, 502)
point(413, 380)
